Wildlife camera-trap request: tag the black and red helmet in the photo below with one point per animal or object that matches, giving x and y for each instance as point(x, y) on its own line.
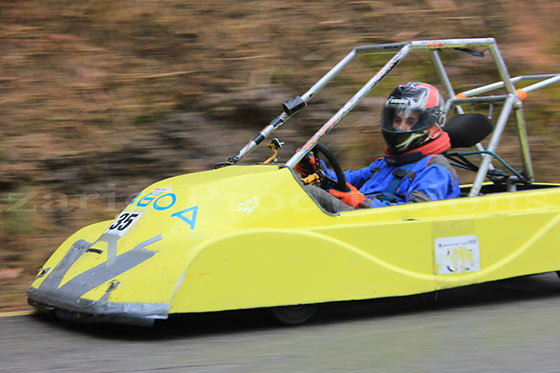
point(423, 105)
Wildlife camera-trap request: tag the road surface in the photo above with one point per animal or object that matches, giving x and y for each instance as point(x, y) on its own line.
point(506, 326)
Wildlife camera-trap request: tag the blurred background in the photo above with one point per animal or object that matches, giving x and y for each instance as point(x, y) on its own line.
point(101, 98)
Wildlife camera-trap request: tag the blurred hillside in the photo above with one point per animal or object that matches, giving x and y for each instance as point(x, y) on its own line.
point(101, 98)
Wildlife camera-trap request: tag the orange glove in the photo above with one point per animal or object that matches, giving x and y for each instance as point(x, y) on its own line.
point(353, 198)
point(307, 165)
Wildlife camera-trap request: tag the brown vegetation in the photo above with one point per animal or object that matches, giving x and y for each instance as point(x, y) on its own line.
point(101, 98)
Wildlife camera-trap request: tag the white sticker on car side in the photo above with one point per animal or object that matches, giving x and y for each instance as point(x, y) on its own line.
point(248, 206)
point(159, 190)
point(459, 254)
point(123, 223)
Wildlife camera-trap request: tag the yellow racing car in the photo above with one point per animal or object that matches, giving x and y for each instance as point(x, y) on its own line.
point(217, 240)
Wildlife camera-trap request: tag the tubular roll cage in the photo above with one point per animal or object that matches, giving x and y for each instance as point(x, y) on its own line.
point(512, 100)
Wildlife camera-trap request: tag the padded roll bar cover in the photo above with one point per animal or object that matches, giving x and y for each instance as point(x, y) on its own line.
point(466, 130)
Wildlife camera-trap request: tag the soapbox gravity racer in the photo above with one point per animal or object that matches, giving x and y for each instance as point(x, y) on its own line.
point(216, 240)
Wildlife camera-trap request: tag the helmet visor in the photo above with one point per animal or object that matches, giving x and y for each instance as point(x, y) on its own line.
point(404, 119)
point(404, 128)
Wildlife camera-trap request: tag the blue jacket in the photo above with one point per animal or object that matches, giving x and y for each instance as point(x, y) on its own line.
point(430, 178)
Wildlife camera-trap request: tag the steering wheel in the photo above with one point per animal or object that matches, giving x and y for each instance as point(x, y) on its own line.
point(326, 181)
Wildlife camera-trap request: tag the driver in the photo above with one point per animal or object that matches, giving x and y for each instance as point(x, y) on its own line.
point(412, 170)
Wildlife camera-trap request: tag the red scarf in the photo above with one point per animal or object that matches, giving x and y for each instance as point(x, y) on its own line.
point(436, 146)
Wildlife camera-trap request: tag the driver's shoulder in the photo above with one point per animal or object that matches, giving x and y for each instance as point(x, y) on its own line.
point(378, 163)
point(438, 161)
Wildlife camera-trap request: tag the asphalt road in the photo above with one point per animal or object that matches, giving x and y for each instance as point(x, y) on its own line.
point(511, 325)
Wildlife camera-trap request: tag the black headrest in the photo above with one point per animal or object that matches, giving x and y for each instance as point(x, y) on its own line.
point(466, 130)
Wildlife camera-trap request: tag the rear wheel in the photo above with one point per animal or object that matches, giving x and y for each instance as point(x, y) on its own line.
point(294, 315)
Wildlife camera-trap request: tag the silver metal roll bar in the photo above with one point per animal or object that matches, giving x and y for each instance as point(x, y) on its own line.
point(512, 100)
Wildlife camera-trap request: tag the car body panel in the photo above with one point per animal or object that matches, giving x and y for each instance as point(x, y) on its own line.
point(257, 239)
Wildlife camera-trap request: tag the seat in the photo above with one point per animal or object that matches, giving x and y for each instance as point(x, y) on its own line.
point(467, 130)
